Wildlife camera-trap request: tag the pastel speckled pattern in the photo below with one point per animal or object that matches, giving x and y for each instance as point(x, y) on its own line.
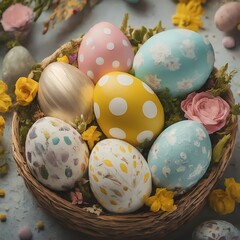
point(56, 154)
point(119, 176)
point(178, 59)
point(104, 48)
point(127, 109)
point(180, 155)
point(216, 229)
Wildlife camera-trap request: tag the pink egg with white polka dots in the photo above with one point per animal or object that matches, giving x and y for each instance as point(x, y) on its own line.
point(104, 48)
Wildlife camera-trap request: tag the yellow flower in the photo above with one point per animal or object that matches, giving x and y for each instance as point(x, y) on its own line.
point(197, 1)
point(91, 135)
point(63, 59)
point(5, 102)
point(221, 202)
point(162, 200)
point(25, 90)
point(232, 189)
point(2, 125)
point(3, 87)
point(188, 16)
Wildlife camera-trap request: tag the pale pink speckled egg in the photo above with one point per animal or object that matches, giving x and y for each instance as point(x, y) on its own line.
point(104, 48)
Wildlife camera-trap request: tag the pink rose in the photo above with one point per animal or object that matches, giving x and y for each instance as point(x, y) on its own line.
point(204, 108)
point(17, 17)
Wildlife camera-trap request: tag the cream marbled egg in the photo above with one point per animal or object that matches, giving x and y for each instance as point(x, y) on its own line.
point(119, 176)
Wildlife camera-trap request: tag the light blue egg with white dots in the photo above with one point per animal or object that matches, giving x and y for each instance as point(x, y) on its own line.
point(180, 156)
point(178, 59)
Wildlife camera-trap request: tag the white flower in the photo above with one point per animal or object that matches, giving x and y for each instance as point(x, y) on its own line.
point(197, 171)
point(210, 58)
point(160, 52)
point(181, 169)
point(204, 150)
point(153, 81)
point(138, 60)
point(172, 64)
point(188, 49)
point(154, 169)
point(183, 155)
point(200, 134)
point(170, 137)
point(196, 143)
point(155, 150)
point(184, 85)
point(166, 171)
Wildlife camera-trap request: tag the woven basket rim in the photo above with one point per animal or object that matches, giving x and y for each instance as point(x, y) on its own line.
point(141, 225)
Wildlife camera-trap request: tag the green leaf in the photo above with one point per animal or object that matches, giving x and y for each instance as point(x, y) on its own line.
point(219, 148)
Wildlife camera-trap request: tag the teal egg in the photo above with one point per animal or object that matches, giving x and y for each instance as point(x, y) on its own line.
point(178, 59)
point(180, 156)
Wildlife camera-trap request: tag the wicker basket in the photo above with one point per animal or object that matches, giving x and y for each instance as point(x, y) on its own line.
point(141, 225)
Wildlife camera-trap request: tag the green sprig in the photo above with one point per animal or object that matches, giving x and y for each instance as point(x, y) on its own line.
point(138, 36)
point(222, 81)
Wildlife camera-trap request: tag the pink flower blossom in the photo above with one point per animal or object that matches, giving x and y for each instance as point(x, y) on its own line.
point(17, 17)
point(204, 108)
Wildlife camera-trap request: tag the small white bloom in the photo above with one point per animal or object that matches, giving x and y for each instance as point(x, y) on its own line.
point(196, 143)
point(188, 49)
point(172, 64)
point(170, 137)
point(183, 155)
point(204, 150)
point(181, 169)
point(166, 171)
point(184, 85)
point(200, 134)
point(155, 150)
point(160, 52)
point(153, 81)
point(138, 60)
point(154, 169)
point(197, 171)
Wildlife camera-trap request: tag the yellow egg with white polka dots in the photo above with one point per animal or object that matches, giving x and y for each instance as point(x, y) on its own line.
point(128, 109)
point(119, 176)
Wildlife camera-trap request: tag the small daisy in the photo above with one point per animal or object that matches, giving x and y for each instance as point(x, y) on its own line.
point(172, 64)
point(184, 85)
point(153, 81)
point(188, 49)
point(159, 53)
point(200, 134)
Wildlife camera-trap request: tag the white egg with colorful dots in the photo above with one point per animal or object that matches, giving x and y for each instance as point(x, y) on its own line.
point(55, 153)
point(119, 176)
point(216, 229)
point(180, 60)
point(180, 156)
point(127, 108)
point(104, 48)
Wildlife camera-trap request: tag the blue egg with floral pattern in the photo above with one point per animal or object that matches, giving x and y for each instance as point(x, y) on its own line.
point(180, 156)
point(180, 60)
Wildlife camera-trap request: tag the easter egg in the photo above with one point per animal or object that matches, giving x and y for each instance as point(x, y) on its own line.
point(104, 48)
point(17, 63)
point(216, 229)
point(180, 156)
point(119, 176)
point(56, 154)
point(178, 59)
point(66, 93)
point(126, 108)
